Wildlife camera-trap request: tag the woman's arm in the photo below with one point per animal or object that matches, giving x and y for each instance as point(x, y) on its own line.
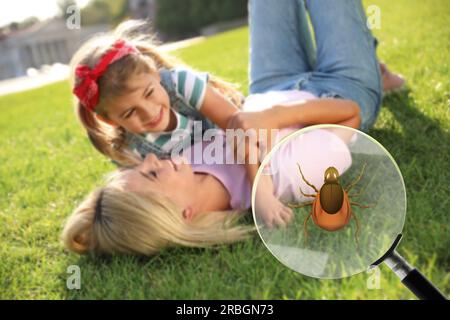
point(267, 207)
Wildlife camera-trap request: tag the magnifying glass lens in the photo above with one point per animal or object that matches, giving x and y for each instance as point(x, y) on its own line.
point(346, 194)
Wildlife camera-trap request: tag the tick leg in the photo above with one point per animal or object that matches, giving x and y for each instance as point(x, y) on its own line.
point(307, 195)
point(355, 195)
point(361, 206)
point(309, 184)
point(305, 228)
point(292, 205)
point(354, 182)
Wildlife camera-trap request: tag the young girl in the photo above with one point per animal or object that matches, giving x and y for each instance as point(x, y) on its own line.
point(132, 99)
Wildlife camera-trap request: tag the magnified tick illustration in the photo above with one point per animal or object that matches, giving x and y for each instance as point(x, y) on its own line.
point(358, 173)
point(332, 205)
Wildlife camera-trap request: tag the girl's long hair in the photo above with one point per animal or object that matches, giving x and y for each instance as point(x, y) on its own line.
point(110, 140)
point(114, 220)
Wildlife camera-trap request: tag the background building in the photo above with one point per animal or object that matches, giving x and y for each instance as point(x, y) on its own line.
point(44, 43)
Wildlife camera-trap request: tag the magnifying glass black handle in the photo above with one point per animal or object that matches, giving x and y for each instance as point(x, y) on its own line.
point(421, 286)
point(412, 278)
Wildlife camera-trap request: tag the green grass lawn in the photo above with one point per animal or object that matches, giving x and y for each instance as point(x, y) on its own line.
point(47, 166)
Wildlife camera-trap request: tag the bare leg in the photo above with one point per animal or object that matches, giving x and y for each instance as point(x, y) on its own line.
point(345, 135)
point(391, 82)
point(353, 122)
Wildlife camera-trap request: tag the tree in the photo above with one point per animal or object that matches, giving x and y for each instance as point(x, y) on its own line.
point(187, 17)
point(104, 11)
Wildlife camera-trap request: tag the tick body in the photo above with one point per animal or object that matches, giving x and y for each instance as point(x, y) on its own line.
point(331, 193)
point(331, 221)
point(331, 208)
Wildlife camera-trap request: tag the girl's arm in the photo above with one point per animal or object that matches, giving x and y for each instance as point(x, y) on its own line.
point(321, 111)
point(217, 108)
point(334, 111)
point(318, 111)
point(301, 112)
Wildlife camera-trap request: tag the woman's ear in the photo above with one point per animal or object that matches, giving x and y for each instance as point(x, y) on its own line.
point(188, 213)
point(79, 243)
point(108, 121)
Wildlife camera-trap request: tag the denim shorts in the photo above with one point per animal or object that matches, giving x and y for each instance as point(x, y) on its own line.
point(342, 62)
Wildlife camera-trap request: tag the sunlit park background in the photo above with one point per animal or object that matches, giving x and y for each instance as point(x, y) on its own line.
point(47, 165)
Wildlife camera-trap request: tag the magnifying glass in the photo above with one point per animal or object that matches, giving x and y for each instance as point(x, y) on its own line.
point(349, 205)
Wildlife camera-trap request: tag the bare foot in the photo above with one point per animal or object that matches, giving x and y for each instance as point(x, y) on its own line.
point(391, 82)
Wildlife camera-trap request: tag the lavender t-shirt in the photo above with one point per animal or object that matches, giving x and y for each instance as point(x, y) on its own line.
point(314, 151)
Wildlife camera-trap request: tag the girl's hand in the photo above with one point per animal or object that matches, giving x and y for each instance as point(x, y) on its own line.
point(253, 120)
point(260, 126)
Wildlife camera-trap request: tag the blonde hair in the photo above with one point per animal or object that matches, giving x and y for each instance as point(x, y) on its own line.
point(114, 220)
point(108, 139)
